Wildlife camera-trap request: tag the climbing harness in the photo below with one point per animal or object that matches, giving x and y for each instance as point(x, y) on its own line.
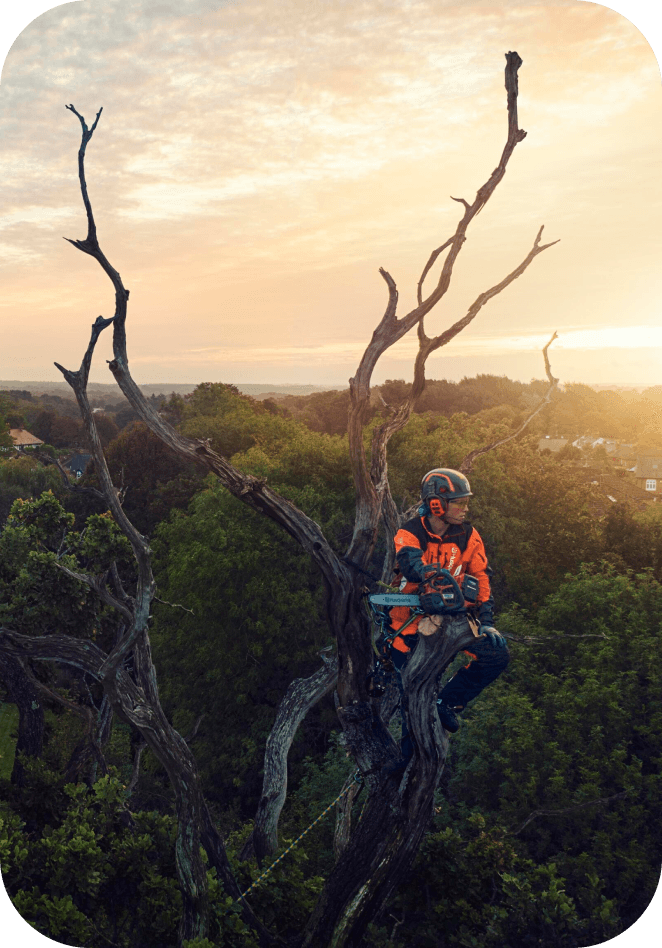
point(383, 667)
point(358, 778)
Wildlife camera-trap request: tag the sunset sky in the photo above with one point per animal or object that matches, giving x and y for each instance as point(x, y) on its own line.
point(256, 163)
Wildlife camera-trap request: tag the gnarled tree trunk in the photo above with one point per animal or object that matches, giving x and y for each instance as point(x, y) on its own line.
point(389, 833)
point(25, 696)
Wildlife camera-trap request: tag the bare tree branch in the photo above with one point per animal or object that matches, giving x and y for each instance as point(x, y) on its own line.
point(433, 257)
point(66, 483)
point(135, 773)
point(196, 727)
point(467, 463)
point(299, 698)
point(568, 809)
point(97, 584)
point(427, 346)
point(138, 615)
point(89, 743)
point(144, 711)
point(54, 648)
point(344, 806)
point(122, 595)
point(531, 640)
point(174, 605)
point(371, 484)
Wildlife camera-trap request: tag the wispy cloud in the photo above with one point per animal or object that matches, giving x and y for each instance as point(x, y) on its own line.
point(247, 157)
point(616, 337)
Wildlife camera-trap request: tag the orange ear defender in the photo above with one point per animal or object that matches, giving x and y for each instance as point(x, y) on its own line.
point(436, 508)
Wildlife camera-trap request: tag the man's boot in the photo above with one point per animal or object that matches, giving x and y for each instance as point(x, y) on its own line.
point(448, 715)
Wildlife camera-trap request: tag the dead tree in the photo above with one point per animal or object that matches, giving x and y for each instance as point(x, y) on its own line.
point(378, 851)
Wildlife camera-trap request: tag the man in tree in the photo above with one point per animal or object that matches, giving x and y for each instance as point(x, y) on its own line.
point(440, 537)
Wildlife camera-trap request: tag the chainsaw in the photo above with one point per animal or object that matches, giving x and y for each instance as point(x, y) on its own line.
point(444, 583)
point(454, 596)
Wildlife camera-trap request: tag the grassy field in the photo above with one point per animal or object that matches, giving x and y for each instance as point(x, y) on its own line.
point(8, 726)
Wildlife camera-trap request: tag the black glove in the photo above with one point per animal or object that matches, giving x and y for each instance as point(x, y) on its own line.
point(493, 635)
point(433, 604)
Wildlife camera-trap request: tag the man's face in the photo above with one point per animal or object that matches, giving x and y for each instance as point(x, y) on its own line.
point(457, 510)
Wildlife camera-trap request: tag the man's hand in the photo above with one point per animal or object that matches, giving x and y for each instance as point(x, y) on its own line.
point(492, 634)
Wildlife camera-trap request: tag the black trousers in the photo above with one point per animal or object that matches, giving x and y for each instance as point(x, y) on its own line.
point(468, 682)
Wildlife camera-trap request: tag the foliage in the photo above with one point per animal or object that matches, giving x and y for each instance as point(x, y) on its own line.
point(24, 477)
point(320, 411)
point(634, 541)
point(154, 478)
point(256, 623)
point(470, 887)
point(572, 721)
point(5, 409)
point(218, 412)
point(59, 430)
point(8, 728)
point(94, 873)
point(36, 596)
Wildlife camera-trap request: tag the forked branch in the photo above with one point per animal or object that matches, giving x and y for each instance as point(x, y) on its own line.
point(371, 482)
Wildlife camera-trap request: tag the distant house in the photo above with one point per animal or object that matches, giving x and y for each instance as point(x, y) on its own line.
point(23, 439)
point(623, 455)
point(586, 441)
point(610, 489)
point(77, 464)
point(620, 454)
point(552, 444)
point(648, 473)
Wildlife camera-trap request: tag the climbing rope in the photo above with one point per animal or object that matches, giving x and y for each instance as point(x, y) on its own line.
point(357, 779)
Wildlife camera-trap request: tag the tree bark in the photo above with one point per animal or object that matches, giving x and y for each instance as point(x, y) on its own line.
point(299, 698)
point(25, 696)
point(134, 701)
point(396, 816)
point(343, 829)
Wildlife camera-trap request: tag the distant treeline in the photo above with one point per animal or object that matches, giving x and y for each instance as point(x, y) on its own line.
point(576, 410)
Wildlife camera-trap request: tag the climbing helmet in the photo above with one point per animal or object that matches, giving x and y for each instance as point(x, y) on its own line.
point(439, 487)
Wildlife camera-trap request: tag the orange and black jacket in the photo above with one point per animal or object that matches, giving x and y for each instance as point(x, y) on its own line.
point(460, 550)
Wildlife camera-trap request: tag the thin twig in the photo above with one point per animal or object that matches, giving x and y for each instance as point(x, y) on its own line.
point(175, 605)
point(568, 809)
point(193, 734)
point(466, 464)
point(136, 768)
point(98, 585)
point(66, 482)
point(79, 710)
point(530, 640)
